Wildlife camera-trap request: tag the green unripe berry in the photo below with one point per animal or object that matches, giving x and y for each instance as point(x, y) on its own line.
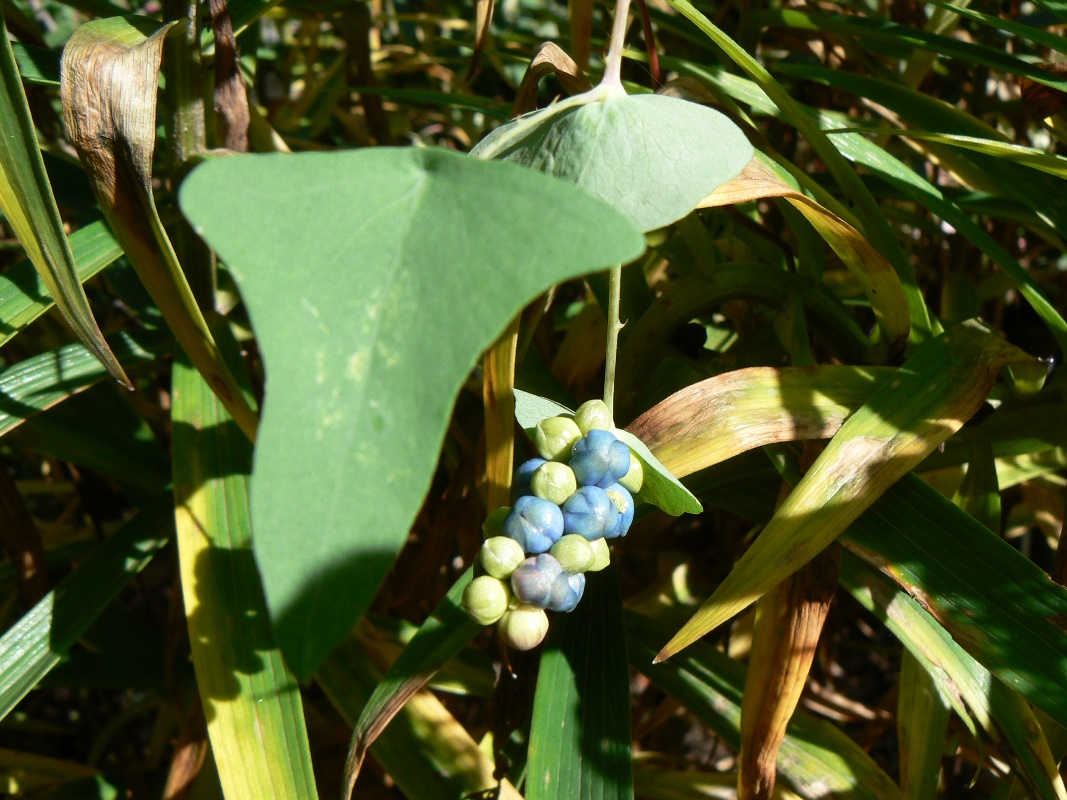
point(494, 523)
point(524, 627)
point(486, 599)
point(555, 438)
point(601, 555)
point(554, 482)
point(500, 556)
point(635, 476)
point(593, 415)
point(574, 553)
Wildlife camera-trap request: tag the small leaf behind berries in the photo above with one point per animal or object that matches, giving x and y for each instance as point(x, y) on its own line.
point(660, 489)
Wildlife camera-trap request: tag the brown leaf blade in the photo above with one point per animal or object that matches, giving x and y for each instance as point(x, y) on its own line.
point(789, 620)
point(929, 399)
point(874, 273)
point(550, 59)
point(29, 206)
point(109, 74)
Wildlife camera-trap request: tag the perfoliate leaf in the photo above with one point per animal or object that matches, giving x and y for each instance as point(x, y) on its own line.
point(357, 269)
point(652, 157)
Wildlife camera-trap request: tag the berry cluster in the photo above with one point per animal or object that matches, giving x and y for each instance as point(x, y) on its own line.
point(566, 505)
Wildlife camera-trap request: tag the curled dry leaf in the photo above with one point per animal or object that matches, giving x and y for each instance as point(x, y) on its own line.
point(877, 277)
point(230, 101)
point(108, 80)
point(483, 19)
point(550, 59)
point(29, 208)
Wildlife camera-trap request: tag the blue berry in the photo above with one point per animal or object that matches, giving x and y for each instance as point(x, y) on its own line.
point(533, 582)
point(589, 512)
point(599, 459)
point(624, 502)
point(534, 523)
point(520, 483)
point(567, 590)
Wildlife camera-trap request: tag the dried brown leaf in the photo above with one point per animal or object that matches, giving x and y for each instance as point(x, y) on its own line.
point(549, 59)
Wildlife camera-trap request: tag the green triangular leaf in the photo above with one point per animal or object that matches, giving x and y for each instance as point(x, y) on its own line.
point(374, 279)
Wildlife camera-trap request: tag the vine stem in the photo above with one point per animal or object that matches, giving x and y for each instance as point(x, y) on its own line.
point(613, 63)
point(614, 326)
point(612, 81)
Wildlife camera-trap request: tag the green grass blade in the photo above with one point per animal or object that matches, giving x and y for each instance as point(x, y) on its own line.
point(41, 381)
point(23, 293)
point(874, 225)
point(36, 64)
point(881, 30)
point(35, 644)
point(1020, 29)
point(30, 208)
point(244, 684)
point(1001, 608)
point(440, 638)
point(967, 685)
point(922, 727)
point(928, 400)
point(580, 733)
point(815, 759)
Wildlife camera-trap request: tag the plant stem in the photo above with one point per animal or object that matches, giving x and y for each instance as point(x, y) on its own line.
point(613, 62)
point(614, 326)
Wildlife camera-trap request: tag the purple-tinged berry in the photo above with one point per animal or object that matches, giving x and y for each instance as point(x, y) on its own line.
point(590, 513)
point(600, 459)
point(534, 523)
point(555, 437)
point(566, 592)
point(624, 502)
point(532, 582)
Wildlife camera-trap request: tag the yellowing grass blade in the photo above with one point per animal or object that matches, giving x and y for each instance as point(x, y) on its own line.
point(877, 277)
point(789, 620)
point(923, 404)
point(109, 75)
point(30, 209)
point(922, 726)
point(498, 396)
point(718, 418)
point(251, 701)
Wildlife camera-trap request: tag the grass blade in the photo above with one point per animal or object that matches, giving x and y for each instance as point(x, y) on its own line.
point(31, 386)
point(929, 399)
point(880, 283)
point(440, 638)
point(721, 417)
point(23, 292)
point(35, 644)
point(244, 684)
point(922, 727)
point(815, 760)
point(30, 209)
point(580, 734)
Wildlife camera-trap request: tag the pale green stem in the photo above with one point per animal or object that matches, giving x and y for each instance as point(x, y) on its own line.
point(612, 81)
point(613, 63)
point(614, 326)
